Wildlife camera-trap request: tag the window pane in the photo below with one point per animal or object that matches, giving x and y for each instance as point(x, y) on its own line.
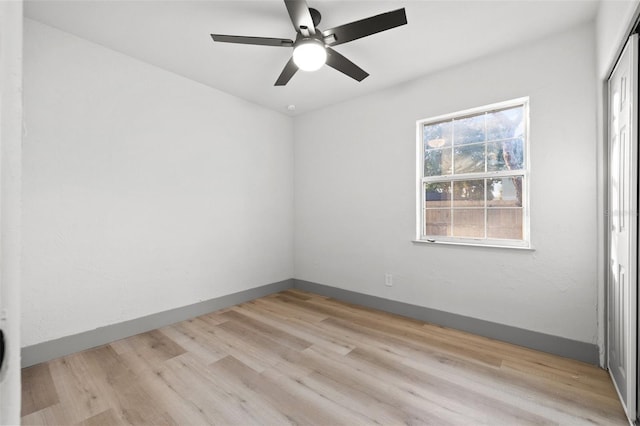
point(504, 192)
point(437, 135)
point(504, 224)
point(469, 159)
point(505, 155)
point(468, 193)
point(495, 159)
point(468, 223)
point(437, 194)
point(469, 130)
point(505, 124)
point(513, 153)
point(437, 162)
point(437, 222)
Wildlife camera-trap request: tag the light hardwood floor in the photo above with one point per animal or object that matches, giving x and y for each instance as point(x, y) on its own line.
point(299, 358)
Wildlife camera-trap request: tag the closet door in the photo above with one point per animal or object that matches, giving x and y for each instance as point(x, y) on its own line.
point(623, 221)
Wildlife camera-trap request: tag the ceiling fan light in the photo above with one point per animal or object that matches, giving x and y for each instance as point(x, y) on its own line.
point(309, 55)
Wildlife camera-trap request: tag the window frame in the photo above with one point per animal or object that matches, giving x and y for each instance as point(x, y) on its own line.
point(525, 172)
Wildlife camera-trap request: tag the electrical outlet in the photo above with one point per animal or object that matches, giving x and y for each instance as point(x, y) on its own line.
point(388, 279)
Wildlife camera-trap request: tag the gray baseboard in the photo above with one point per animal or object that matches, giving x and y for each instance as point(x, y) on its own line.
point(581, 351)
point(52, 349)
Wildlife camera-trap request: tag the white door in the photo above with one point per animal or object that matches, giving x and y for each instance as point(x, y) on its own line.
point(10, 143)
point(623, 221)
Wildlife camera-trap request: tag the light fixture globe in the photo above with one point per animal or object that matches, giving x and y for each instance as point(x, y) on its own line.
point(309, 54)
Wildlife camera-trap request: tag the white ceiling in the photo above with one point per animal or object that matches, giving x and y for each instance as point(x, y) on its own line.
point(174, 35)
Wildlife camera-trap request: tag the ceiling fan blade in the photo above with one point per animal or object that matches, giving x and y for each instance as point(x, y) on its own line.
point(300, 16)
point(289, 70)
point(261, 41)
point(345, 66)
point(364, 27)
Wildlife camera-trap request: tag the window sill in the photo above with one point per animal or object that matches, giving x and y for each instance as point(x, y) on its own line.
point(454, 243)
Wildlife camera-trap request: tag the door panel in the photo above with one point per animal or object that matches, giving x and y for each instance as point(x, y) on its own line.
point(11, 18)
point(623, 196)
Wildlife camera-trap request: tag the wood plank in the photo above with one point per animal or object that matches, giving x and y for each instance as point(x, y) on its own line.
point(273, 333)
point(192, 344)
point(131, 402)
point(229, 373)
point(430, 386)
point(275, 354)
point(303, 330)
point(156, 346)
point(347, 372)
point(57, 414)
point(38, 390)
point(106, 418)
point(229, 344)
point(186, 376)
point(78, 391)
point(177, 401)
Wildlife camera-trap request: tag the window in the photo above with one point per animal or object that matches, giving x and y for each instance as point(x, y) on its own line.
point(473, 176)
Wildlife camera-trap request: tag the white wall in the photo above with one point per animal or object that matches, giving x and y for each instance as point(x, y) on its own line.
point(355, 193)
point(613, 24)
point(143, 191)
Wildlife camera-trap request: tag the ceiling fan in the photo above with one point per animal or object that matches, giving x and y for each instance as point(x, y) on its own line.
point(312, 48)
